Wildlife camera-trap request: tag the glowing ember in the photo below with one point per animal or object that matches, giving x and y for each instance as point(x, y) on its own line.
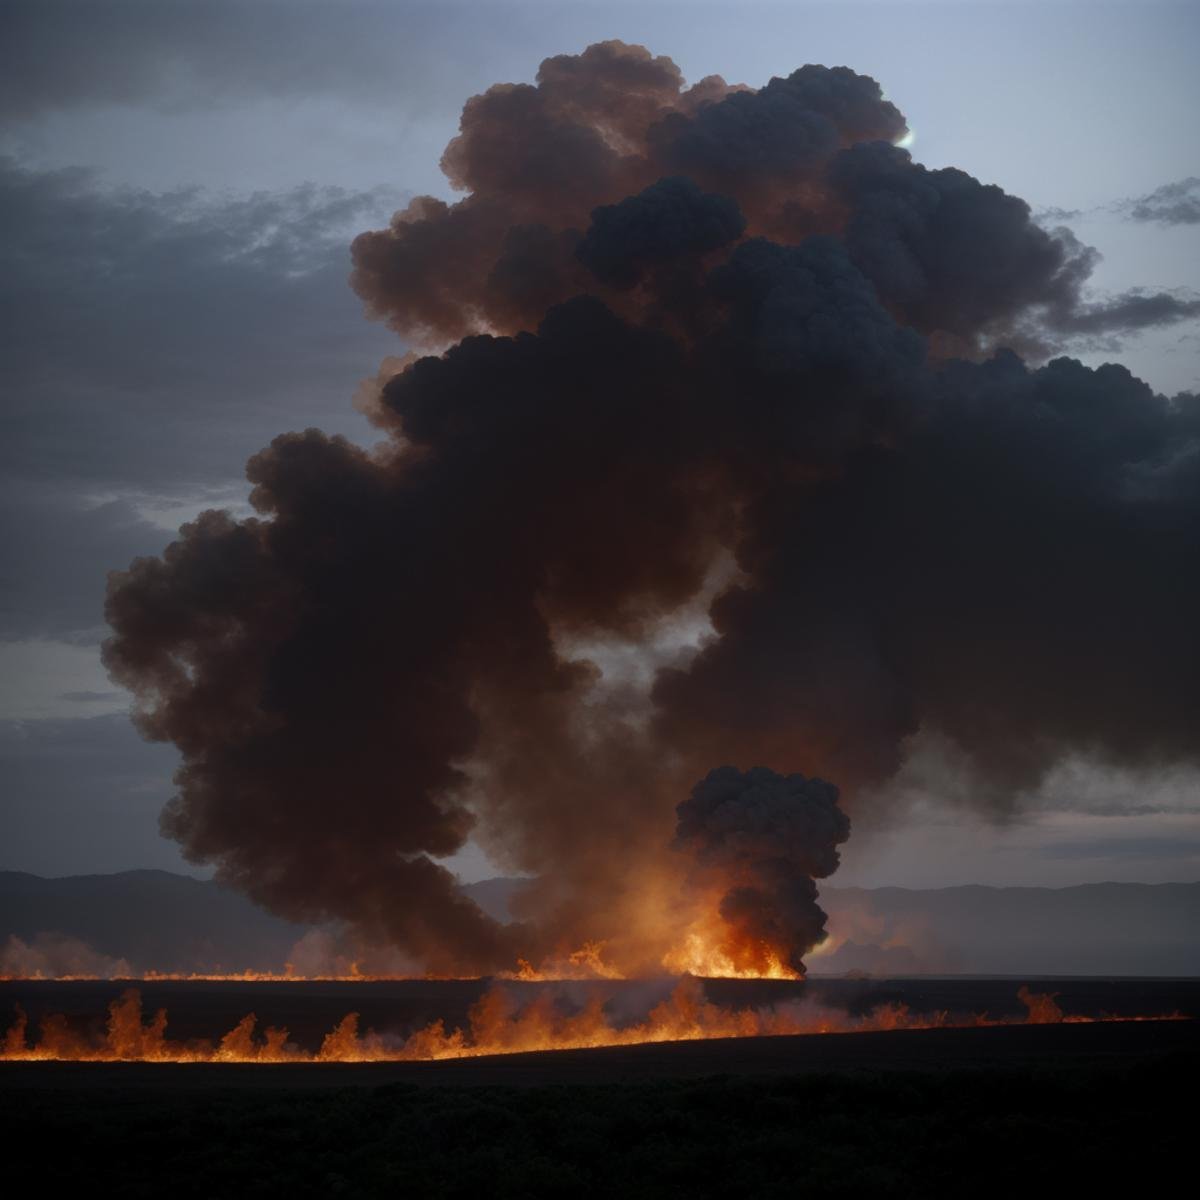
point(495, 1026)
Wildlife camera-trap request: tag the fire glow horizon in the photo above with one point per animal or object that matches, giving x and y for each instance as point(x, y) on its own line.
point(496, 1025)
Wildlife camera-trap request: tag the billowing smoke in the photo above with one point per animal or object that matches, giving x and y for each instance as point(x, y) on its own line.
point(765, 838)
point(695, 354)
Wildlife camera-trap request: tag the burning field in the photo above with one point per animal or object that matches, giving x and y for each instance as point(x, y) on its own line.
point(416, 1021)
point(918, 1085)
point(719, 481)
point(730, 476)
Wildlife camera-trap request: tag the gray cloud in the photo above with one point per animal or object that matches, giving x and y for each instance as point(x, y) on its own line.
point(55, 554)
point(154, 341)
point(150, 344)
point(95, 783)
point(1046, 216)
point(1115, 808)
point(1123, 848)
point(178, 54)
point(1175, 203)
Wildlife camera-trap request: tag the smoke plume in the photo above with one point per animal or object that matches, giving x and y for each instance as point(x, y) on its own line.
point(694, 354)
point(765, 838)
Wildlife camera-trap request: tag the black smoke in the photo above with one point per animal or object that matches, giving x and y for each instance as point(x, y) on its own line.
point(764, 838)
point(688, 346)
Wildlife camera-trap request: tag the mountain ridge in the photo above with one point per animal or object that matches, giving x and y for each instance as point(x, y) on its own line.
point(166, 921)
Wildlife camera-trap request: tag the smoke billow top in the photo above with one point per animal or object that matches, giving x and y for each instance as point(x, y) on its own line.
point(694, 354)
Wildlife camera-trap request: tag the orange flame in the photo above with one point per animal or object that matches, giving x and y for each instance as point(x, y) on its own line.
point(711, 949)
point(495, 1026)
point(708, 949)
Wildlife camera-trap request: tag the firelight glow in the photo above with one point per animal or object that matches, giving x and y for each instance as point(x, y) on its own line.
point(497, 1025)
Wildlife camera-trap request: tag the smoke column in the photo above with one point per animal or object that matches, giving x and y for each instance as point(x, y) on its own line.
point(691, 353)
point(764, 839)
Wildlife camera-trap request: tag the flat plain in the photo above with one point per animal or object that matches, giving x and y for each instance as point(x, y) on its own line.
point(1025, 1110)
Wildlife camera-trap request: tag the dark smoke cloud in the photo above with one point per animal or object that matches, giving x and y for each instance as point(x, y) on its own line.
point(766, 837)
point(945, 251)
point(763, 144)
point(704, 347)
point(669, 219)
point(1129, 312)
point(959, 258)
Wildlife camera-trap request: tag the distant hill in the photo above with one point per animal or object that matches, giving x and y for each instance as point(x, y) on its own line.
point(148, 919)
point(1091, 929)
point(139, 920)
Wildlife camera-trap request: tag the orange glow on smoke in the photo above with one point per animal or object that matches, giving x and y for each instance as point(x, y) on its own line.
point(585, 963)
point(495, 1026)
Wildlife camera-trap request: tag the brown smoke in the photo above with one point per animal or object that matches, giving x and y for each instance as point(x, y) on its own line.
point(692, 372)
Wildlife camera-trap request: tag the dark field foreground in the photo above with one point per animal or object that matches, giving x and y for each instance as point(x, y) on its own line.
point(1022, 1046)
point(1022, 1111)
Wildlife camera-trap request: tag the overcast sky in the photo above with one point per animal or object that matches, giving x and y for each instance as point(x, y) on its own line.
point(178, 188)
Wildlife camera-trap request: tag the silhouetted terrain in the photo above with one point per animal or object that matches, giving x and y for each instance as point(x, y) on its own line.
point(155, 919)
point(1050, 1110)
point(150, 919)
point(1093, 929)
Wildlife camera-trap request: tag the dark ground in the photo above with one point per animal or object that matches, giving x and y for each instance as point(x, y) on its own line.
point(1023, 1112)
point(1020, 1111)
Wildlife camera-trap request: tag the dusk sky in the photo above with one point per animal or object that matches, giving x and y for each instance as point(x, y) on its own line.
point(178, 190)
